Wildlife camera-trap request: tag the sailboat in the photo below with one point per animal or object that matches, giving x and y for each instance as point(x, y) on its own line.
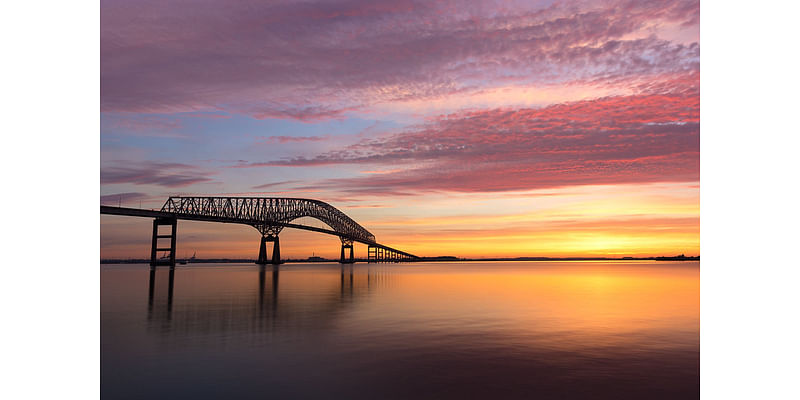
point(185, 260)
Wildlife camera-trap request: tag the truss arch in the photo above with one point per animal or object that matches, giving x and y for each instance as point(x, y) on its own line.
point(269, 214)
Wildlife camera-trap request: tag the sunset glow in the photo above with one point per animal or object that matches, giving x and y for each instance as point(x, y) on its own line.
point(462, 128)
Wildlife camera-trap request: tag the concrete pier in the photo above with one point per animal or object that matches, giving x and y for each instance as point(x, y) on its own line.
point(172, 236)
point(276, 250)
point(344, 260)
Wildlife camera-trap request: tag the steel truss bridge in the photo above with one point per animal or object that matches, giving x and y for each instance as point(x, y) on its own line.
point(269, 215)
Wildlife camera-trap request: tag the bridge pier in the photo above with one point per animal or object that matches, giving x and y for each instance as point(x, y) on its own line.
point(262, 252)
point(350, 260)
point(372, 254)
point(276, 250)
point(172, 236)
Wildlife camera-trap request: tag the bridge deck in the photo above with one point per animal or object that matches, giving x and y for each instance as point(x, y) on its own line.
point(137, 212)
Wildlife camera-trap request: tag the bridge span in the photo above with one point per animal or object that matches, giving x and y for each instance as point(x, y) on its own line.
point(269, 215)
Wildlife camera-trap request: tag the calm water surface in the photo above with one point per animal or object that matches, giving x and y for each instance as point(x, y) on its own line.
point(536, 330)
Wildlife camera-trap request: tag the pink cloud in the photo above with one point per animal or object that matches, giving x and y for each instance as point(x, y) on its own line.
point(384, 171)
point(623, 139)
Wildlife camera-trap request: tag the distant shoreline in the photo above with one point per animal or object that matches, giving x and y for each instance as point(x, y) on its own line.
point(441, 258)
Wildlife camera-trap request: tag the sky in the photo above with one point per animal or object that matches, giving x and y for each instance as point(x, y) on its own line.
point(464, 128)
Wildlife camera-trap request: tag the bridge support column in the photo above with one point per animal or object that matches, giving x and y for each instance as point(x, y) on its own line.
point(173, 238)
point(350, 260)
point(276, 251)
point(372, 254)
point(262, 250)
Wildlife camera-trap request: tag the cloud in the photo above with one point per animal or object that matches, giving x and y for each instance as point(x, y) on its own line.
point(621, 139)
point(170, 175)
point(281, 183)
point(123, 197)
point(381, 172)
point(141, 125)
point(288, 139)
point(311, 61)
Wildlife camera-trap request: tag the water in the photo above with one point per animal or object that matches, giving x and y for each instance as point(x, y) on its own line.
point(423, 330)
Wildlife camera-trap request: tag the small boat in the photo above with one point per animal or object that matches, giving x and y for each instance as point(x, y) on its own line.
point(186, 261)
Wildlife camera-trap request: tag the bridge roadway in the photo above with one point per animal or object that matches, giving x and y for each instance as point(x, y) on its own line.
point(376, 251)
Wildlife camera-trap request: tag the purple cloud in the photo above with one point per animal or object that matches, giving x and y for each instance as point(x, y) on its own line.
point(273, 184)
point(123, 197)
point(289, 139)
point(312, 61)
point(141, 125)
point(170, 175)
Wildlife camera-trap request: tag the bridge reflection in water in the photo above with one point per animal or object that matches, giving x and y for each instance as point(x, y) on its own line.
point(605, 330)
point(201, 306)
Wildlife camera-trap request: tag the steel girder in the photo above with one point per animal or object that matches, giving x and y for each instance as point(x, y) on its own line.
point(263, 212)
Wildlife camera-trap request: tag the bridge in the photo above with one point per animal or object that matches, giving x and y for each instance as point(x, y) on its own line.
point(269, 215)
